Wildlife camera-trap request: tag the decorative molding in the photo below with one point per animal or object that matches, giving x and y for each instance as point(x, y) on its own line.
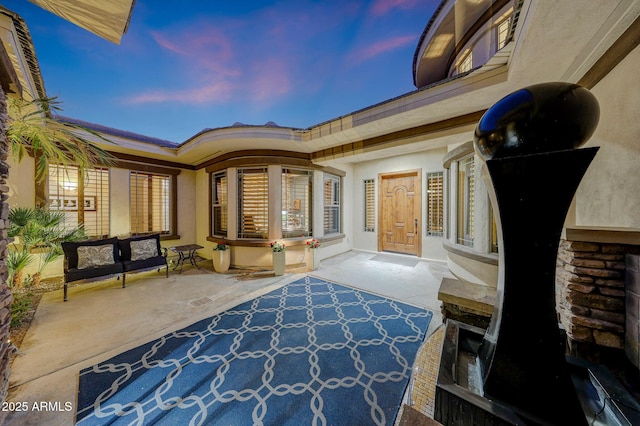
point(252, 153)
point(611, 235)
point(489, 259)
point(129, 161)
point(626, 43)
point(406, 134)
point(147, 168)
point(457, 153)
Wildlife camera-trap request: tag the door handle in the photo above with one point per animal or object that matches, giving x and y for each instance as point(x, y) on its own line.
point(415, 221)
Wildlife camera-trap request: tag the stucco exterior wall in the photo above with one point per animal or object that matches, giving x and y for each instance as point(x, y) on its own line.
point(186, 202)
point(119, 219)
point(608, 195)
point(22, 192)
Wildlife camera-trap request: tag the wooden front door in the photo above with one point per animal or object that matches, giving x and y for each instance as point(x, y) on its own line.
point(399, 212)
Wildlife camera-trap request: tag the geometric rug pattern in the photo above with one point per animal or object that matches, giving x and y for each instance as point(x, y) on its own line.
point(310, 353)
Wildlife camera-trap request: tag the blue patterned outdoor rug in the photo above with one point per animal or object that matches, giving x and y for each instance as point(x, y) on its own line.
point(311, 353)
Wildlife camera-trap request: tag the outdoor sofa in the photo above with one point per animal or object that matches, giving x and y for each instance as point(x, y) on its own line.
point(85, 260)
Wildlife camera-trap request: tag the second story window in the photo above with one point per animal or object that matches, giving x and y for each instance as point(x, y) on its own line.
point(466, 63)
point(503, 33)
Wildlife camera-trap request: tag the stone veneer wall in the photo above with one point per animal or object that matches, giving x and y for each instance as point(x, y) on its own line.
point(590, 295)
point(5, 294)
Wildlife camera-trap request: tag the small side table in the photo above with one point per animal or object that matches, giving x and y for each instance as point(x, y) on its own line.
point(186, 252)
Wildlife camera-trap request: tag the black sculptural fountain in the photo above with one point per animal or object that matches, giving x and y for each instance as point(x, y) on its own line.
point(529, 142)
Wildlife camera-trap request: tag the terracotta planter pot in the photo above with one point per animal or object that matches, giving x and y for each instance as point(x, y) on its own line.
point(221, 260)
point(279, 262)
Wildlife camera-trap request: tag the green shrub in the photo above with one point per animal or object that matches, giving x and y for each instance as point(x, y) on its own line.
point(22, 304)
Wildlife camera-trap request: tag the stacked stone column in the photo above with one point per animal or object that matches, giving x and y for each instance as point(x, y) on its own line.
point(590, 293)
point(5, 294)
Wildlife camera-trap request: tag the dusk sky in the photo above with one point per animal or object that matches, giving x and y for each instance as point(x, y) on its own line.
point(184, 66)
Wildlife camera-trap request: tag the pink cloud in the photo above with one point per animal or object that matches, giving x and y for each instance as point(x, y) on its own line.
point(258, 59)
point(212, 93)
point(382, 7)
point(381, 47)
point(208, 50)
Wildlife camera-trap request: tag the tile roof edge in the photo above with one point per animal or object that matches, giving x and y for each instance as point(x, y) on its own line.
point(117, 132)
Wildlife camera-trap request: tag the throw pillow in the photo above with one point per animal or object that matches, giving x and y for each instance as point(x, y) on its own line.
point(144, 249)
point(92, 256)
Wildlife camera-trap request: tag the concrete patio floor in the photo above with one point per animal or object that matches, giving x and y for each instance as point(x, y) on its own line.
point(101, 319)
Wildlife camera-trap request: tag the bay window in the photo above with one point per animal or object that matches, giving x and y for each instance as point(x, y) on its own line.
point(219, 197)
point(253, 203)
point(296, 203)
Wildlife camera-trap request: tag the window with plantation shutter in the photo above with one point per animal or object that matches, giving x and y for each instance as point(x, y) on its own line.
point(466, 63)
point(253, 203)
point(493, 238)
point(331, 198)
point(435, 204)
point(369, 205)
point(466, 201)
point(503, 33)
point(82, 195)
point(219, 199)
point(150, 203)
point(296, 203)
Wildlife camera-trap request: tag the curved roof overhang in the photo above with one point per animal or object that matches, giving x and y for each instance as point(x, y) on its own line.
point(106, 19)
point(20, 57)
point(451, 27)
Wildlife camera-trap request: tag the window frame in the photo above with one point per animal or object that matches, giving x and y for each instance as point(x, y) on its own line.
point(439, 199)
point(369, 214)
point(220, 202)
point(288, 204)
point(466, 63)
point(502, 32)
point(264, 233)
point(98, 201)
point(332, 202)
point(494, 246)
point(465, 196)
point(168, 198)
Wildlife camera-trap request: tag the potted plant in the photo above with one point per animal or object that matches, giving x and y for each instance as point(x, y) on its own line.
point(221, 258)
point(279, 260)
point(312, 258)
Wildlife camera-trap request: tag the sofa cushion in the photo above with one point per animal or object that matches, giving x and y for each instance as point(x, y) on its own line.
point(144, 249)
point(76, 274)
point(134, 265)
point(125, 245)
point(71, 249)
point(92, 256)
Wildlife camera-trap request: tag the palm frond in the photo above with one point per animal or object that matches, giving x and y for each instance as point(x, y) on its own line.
point(32, 130)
